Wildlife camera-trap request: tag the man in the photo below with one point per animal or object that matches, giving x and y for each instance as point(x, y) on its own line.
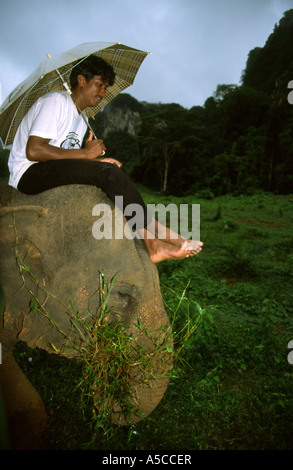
point(47, 152)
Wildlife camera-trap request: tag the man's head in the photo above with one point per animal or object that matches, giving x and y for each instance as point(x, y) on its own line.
point(90, 67)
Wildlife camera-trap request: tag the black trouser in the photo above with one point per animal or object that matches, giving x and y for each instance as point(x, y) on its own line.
point(113, 180)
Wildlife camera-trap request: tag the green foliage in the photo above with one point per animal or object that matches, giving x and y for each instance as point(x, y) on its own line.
point(122, 145)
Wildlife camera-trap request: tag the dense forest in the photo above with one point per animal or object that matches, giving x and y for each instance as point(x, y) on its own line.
point(238, 142)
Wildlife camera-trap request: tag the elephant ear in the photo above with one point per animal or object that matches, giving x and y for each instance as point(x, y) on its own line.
point(21, 257)
point(48, 250)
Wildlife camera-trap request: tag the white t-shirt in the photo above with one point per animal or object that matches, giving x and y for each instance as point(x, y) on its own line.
point(53, 116)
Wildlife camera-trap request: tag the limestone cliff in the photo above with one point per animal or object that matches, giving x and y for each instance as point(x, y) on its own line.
point(122, 114)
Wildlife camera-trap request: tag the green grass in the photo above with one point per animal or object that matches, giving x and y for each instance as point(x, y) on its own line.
point(234, 387)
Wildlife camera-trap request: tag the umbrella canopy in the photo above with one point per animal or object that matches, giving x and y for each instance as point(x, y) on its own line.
point(125, 61)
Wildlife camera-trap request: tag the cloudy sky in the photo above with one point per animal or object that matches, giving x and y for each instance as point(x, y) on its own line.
point(195, 44)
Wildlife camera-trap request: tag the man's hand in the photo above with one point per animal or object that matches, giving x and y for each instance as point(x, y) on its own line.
point(111, 160)
point(97, 145)
point(94, 147)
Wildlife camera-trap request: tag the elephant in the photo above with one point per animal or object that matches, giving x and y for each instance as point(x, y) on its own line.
point(50, 260)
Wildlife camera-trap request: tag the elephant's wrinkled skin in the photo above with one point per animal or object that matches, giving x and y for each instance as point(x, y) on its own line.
point(53, 233)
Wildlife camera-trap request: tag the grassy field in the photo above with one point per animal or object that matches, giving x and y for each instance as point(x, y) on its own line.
point(233, 388)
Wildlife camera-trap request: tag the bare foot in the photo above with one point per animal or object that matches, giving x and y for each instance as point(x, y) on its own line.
point(192, 247)
point(162, 251)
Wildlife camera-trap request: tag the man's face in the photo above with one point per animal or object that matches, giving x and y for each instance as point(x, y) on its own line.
point(93, 91)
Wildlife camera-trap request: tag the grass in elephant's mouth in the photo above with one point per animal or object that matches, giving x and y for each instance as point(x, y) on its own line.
point(116, 363)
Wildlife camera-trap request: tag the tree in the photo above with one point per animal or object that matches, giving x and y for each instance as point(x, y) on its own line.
point(160, 137)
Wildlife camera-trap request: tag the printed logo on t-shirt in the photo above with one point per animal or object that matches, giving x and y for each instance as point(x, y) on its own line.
point(71, 141)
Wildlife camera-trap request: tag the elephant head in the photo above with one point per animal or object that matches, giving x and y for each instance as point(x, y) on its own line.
point(51, 264)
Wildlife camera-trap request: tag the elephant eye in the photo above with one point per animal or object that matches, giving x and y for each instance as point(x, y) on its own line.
point(123, 300)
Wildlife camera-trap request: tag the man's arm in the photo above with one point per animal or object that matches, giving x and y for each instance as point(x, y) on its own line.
point(38, 149)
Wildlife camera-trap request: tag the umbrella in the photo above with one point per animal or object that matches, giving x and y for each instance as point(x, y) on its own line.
point(53, 74)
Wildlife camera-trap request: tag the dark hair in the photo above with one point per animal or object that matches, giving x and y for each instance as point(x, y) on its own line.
point(90, 67)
